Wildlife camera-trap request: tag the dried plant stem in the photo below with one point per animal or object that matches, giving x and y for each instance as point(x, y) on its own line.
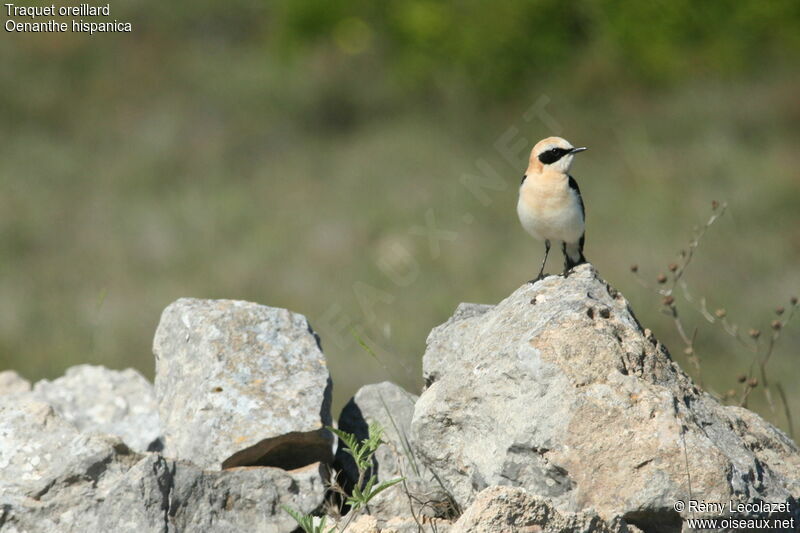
point(701, 308)
point(679, 270)
point(763, 360)
point(695, 242)
point(761, 347)
point(689, 342)
point(786, 411)
point(745, 394)
point(762, 365)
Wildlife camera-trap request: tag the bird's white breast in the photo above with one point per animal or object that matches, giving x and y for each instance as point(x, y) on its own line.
point(549, 209)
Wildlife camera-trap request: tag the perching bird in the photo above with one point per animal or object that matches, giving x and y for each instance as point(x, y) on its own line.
point(550, 206)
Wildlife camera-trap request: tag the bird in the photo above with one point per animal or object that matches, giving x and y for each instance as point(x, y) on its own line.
point(550, 206)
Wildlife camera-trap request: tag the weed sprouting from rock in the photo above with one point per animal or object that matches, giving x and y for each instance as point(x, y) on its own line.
point(363, 491)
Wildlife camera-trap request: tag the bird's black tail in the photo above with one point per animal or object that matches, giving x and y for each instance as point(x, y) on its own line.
point(573, 254)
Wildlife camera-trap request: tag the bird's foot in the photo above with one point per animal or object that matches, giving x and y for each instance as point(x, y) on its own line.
point(540, 277)
point(571, 269)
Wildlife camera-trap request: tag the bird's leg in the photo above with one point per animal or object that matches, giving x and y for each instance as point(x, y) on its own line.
point(573, 256)
point(567, 261)
point(541, 270)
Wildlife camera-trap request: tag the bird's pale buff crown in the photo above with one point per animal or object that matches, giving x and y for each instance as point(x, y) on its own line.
point(541, 155)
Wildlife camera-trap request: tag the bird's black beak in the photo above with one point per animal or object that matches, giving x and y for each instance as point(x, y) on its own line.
point(576, 150)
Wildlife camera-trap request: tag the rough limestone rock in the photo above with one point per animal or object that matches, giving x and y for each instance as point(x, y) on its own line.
point(407, 524)
point(364, 524)
point(12, 383)
point(371, 524)
point(40, 452)
point(55, 479)
point(557, 389)
point(98, 400)
point(503, 509)
point(392, 408)
point(160, 494)
point(241, 384)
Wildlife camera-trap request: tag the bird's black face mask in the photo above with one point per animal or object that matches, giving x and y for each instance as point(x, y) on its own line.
point(548, 157)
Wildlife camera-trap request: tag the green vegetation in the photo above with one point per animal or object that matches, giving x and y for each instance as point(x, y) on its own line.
point(367, 486)
point(500, 49)
point(294, 153)
point(310, 523)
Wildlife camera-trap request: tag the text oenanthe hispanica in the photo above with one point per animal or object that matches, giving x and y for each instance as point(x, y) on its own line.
point(52, 25)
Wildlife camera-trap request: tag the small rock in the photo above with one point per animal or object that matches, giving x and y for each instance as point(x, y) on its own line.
point(98, 400)
point(239, 384)
point(422, 523)
point(503, 509)
point(364, 524)
point(11, 383)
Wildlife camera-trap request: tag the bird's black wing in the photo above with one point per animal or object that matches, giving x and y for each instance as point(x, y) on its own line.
point(569, 249)
point(574, 186)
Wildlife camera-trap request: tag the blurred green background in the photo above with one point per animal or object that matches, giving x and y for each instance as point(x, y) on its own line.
point(294, 153)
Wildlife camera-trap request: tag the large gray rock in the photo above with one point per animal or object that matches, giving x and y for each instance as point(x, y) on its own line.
point(557, 389)
point(392, 408)
point(55, 479)
point(13, 383)
point(503, 509)
point(241, 384)
point(42, 454)
point(159, 494)
point(98, 400)
point(52, 475)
